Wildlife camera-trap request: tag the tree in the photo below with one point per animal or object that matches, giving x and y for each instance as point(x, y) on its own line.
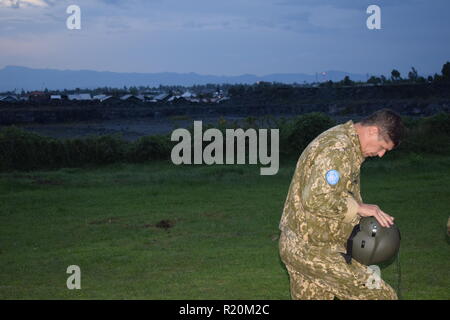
point(446, 71)
point(374, 80)
point(134, 90)
point(395, 75)
point(237, 91)
point(421, 79)
point(347, 81)
point(413, 75)
point(326, 84)
point(437, 78)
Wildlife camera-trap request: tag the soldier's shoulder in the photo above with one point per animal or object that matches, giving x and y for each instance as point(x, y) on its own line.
point(332, 143)
point(335, 138)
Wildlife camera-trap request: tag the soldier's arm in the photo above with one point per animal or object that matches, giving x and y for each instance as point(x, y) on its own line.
point(325, 194)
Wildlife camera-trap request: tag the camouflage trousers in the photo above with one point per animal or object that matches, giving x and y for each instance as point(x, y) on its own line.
point(321, 273)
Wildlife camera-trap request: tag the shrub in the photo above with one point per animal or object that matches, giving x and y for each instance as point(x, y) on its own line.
point(157, 147)
point(104, 149)
point(21, 150)
point(24, 150)
point(305, 128)
point(428, 135)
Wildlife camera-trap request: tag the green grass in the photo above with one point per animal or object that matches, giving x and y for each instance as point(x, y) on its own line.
point(223, 240)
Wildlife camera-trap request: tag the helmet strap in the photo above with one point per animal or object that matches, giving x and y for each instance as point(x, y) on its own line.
point(348, 256)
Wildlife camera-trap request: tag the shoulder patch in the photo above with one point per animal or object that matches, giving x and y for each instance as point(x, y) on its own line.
point(332, 177)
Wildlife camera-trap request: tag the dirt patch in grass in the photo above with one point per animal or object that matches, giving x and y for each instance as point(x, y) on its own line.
point(165, 224)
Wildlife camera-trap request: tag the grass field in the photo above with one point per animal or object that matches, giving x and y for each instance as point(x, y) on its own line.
point(159, 231)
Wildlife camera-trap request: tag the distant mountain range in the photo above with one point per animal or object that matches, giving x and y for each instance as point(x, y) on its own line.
point(18, 78)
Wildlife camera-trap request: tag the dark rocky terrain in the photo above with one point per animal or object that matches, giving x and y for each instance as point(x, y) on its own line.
point(64, 119)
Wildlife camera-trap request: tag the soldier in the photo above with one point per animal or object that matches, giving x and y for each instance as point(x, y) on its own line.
point(324, 204)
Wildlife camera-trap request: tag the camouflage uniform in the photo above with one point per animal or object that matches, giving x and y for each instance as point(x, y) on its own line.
point(318, 217)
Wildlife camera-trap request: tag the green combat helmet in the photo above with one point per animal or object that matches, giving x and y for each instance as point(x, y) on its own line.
point(370, 243)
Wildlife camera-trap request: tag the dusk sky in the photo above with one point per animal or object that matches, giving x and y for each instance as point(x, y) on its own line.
point(227, 37)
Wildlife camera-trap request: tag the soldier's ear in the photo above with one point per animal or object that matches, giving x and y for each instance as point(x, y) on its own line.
point(373, 131)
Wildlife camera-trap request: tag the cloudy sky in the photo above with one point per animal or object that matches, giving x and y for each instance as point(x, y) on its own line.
point(227, 37)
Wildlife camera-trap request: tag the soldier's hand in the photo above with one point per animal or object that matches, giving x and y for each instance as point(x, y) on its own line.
point(372, 210)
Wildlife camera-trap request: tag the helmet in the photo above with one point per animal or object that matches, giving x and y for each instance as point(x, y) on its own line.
point(370, 243)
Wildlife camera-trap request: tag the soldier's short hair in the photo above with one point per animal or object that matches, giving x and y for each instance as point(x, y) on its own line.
point(389, 122)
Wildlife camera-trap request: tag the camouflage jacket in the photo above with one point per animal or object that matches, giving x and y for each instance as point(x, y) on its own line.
point(322, 201)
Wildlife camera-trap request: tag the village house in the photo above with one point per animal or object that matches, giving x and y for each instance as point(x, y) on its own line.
point(188, 95)
point(132, 98)
point(38, 96)
point(9, 98)
point(104, 98)
point(161, 97)
point(80, 97)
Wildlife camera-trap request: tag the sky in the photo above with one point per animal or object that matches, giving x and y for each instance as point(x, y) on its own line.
point(227, 37)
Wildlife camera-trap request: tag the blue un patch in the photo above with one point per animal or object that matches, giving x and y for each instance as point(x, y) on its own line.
point(332, 177)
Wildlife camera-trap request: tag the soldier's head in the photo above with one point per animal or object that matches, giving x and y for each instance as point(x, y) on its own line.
point(380, 132)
